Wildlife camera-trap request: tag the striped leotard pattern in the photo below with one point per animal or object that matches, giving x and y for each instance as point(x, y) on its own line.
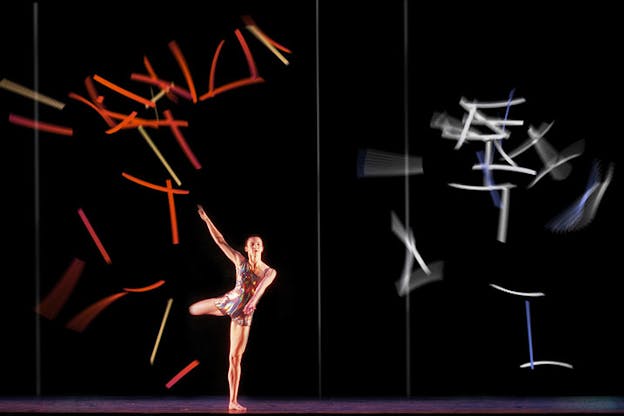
point(234, 301)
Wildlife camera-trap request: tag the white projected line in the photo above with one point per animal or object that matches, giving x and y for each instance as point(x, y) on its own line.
point(513, 292)
point(559, 363)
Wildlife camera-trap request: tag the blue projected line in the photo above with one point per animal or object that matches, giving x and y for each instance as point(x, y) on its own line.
point(488, 175)
point(528, 315)
point(511, 93)
point(488, 180)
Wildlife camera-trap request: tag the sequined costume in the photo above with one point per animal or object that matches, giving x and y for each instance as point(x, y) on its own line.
point(234, 301)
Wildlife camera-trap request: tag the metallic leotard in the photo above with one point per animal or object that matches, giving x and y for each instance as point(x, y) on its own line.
point(234, 301)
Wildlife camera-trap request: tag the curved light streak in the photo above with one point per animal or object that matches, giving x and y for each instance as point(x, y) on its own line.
point(546, 362)
point(513, 292)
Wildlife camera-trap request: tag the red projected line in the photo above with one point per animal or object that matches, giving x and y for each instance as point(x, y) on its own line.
point(94, 236)
point(152, 74)
point(163, 85)
point(38, 125)
point(54, 301)
point(181, 141)
point(182, 373)
point(84, 318)
point(254, 78)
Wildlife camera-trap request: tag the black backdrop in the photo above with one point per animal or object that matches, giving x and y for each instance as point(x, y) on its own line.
point(280, 158)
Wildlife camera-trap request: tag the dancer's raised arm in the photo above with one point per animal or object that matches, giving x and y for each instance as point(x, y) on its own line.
point(234, 255)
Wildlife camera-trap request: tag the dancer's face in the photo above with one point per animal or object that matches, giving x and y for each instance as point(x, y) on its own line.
point(254, 246)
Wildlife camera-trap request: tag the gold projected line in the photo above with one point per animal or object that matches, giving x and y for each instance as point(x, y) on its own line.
point(160, 156)
point(262, 38)
point(27, 92)
point(160, 331)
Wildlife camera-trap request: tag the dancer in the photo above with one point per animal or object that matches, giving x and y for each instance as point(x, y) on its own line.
point(253, 276)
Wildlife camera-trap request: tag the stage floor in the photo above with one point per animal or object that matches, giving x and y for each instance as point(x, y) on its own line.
point(218, 405)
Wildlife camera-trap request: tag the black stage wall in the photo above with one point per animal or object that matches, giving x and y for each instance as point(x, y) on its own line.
point(311, 158)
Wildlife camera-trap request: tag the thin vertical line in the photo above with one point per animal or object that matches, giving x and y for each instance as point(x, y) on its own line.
point(36, 199)
point(408, 360)
point(318, 208)
point(527, 308)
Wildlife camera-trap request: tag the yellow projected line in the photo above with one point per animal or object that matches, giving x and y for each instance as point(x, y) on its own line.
point(160, 156)
point(262, 38)
point(26, 92)
point(160, 331)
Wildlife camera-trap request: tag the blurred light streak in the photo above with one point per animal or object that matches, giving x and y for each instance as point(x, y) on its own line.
point(145, 288)
point(123, 123)
point(376, 163)
point(182, 141)
point(267, 41)
point(170, 192)
point(94, 236)
point(583, 211)
point(167, 86)
point(513, 292)
point(38, 125)
point(160, 331)
point(182, 373)
point(558, 165)
point(50, 306)
point(28, 93)
point(160, 156)
point(408, 240)
point(179, 57)
point(84, 318)
point(123, 91)
point(546, 362)
point(527, 308)
point(170, 95)
point(253, 78)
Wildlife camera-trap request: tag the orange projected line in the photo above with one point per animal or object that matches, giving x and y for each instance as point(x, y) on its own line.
point(27, 92)
point(231, 86)
point(156, 123)
point(124, 123)
point(98, 100)
point(100, 110)
point(177, 53)
point(253, 79)
point(145, 288)
point(38, 125)
point(160, 331)
point(122, 91)
point(109, 115)
point(172, 215)
point(182, 142)
point(90, 86)
point(170, 191)
point(84, 318)
point(94, 236)
point(160, 156)
point(182, 373)
point(153, 186)
point(54, 301)
point(163, 85)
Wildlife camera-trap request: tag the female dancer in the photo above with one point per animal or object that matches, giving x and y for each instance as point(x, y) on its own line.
point(253, 276)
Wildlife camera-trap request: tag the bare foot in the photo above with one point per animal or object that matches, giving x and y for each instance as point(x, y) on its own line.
point(236, 407)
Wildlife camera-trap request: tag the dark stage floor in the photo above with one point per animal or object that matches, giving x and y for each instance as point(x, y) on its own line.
point(217, 405)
